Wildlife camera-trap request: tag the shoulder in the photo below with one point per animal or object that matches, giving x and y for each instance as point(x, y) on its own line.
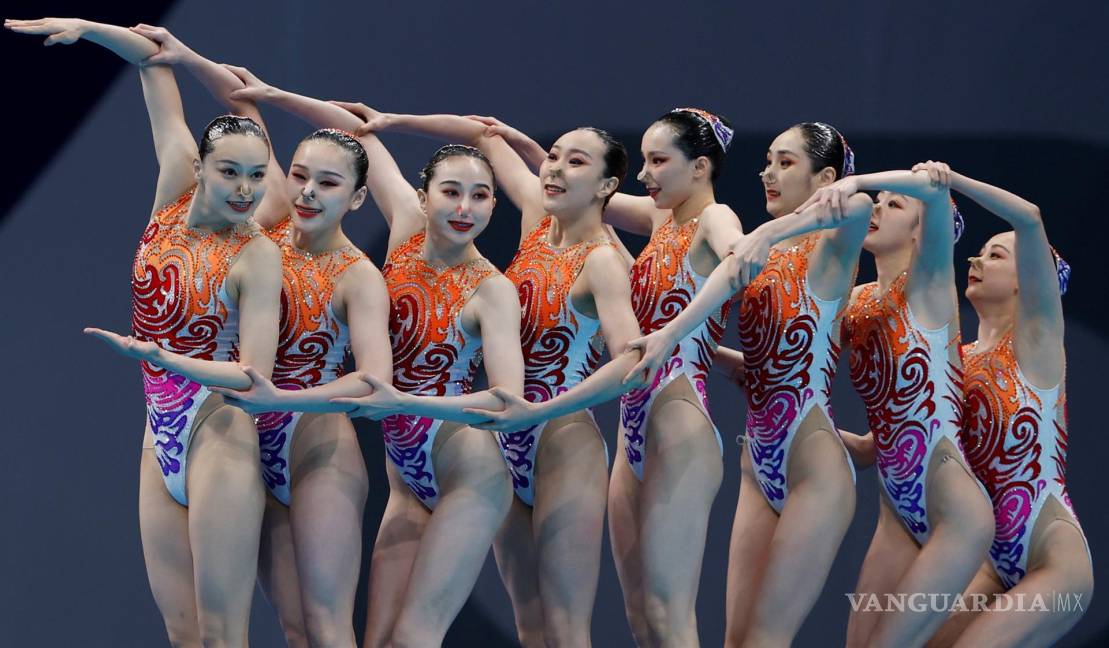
point(260, 249)
point(605, 258)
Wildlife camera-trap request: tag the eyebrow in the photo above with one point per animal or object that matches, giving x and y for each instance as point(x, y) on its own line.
point(234, 163)
point(1000, 246)
point(782, 152)
point(573, 150)
point(481, 185)
point(323, 171)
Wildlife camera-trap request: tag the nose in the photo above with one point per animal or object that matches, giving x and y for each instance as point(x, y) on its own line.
point(464, 208)
point(975, 262)
point(767, 176)
point(642, 175)
point(308, 191)
point(246, 190)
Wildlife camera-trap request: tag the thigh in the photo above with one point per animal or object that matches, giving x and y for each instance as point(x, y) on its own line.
point(752, 530)
point(394, 553)
point(623, 528)
point(226, 503)
point(329, 486)
point(164, 527)
point(518, 563)
point(277, 572)
point(568, 516)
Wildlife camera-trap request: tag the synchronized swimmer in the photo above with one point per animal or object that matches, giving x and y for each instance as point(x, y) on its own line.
point(248, 299)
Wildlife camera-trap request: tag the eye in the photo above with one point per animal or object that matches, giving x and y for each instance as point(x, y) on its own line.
point(577, 161)
point(895, 204)
point(785, 164)
point(299, 176)
point(657, 160)
point(480, 195)
point(551, 156)
point(330, 183)
point(453, 193)
point(995, 255)
point(258, 175)
point(228, 173)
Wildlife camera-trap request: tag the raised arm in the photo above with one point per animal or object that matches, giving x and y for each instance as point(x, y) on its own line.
point(1038, 332)
point(173, 143)
point(528, 149)
point(513, 175)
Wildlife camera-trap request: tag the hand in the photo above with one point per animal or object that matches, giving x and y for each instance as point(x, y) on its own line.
point(831, 201)
point(861, 448)
point(939, 174)
point(375, 120)
point(656, 349)
point(262, 395)
point(126, 345)
point(59, 30)
point(171, 50)
point(518, 413)
point(495, 126)
point(253, 90)
point(385, 400)
point(750, 253)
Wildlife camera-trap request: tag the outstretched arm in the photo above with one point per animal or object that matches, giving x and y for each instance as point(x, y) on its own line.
point(607, 278)
point(173, 143)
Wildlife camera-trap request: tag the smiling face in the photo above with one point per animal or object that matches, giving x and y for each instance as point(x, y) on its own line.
point(459, 199)
point(789, 178)
point(231, 177)
point(321, 186)
point(573, 175)
point(894, 223)
point(992, 276)
point(669, 176)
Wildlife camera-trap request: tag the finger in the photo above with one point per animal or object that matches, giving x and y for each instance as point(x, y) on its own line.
point(154, 59)
point(345, 400)
point(639, 369)
point(638, 343)
point(56, 38)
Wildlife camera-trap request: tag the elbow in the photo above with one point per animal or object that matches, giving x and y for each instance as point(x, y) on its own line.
point(1032, 215)
point(859, 206)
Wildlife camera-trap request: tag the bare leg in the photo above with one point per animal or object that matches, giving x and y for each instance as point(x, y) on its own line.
point(476, 495)
point(984, 586)
point(752, 530)
point(164, 526)
point(682, 474)
point(810, 529)
point(627, 552)
point(568, 523)
point(398, 541)
point(226, 502)
point(518, 563)
point(892, 551)
point(1058, 565)
point(328, 494)
point(277, 572)
point(962, 529)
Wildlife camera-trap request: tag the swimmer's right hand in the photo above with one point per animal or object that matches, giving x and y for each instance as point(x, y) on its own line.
point(375, 120)
point(254, 89)
point(655, 349)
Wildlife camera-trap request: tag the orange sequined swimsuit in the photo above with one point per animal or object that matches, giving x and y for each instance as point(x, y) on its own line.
point(663, 282)
point(561, 346)
point(1015, 436)
point(179, 301)
point(312, 345)
point(788, 337)
point(433, 354)
point(912, 389)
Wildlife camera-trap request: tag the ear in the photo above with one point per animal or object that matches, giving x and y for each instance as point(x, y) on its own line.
point(826, 177)
point(608, 187)
point(422, 196)
point(359, 197)
point(196, 169)
point(702, 167)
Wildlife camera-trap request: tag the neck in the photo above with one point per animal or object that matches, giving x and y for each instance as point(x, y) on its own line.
point(199, 216)
point(890, 266)
point(693, 206)
point(569, 229)
point(441, 253)
point(319, 242)
point(994, 321)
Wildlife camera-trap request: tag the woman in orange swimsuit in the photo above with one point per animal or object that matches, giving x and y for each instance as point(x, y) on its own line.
point(201, 274)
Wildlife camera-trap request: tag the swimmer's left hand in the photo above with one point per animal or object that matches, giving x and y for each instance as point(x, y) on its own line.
point(518, 413)
point(385, 400)
point(126, 345)
point(262, 395)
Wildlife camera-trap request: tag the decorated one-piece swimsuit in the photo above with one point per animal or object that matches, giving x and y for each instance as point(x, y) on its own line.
point(788, 336)
point(913, 392)
point(561, 346)
point(1015, 437)
point(663, 282)
point(179, 301)
point(312, 344)
point(433, 354)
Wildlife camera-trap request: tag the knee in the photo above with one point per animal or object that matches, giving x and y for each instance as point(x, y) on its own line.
point(215, 631)
point(665, 621)
point(413, 632)
point(295, 637)
point(182, 636)
point(325, 628)
point(530, 637)
point(559, 632)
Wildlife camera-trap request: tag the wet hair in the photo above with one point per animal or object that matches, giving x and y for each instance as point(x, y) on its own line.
point(229, 125)
point(695, 137)
point(349, 143)
point(616, 158)
point(449, 151)
point(827, 147)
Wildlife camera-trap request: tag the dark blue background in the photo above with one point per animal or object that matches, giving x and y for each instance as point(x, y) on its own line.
point(1016, 98)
